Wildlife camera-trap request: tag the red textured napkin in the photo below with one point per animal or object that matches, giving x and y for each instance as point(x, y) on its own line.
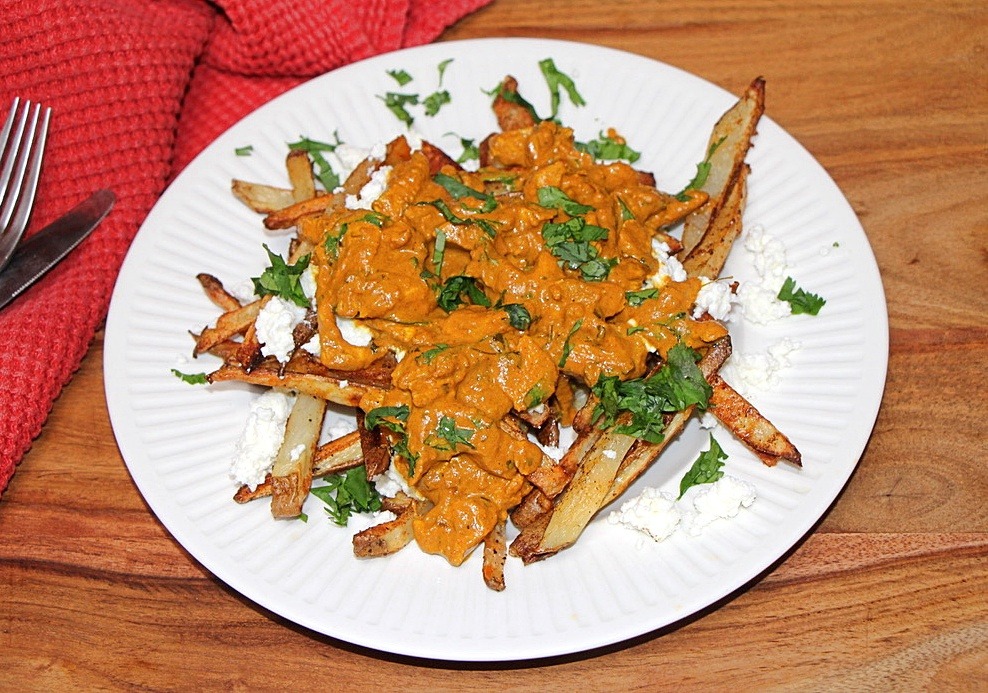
point(137, 89)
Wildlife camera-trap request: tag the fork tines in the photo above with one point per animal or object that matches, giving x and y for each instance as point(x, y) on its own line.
point(22, 142)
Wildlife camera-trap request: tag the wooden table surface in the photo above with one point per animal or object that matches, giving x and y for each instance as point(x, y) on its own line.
point(891, 589)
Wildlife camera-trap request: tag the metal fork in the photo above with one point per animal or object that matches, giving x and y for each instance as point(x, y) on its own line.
point(22, 142)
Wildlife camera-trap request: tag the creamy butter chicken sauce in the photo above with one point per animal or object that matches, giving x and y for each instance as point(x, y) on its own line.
point(462, 372)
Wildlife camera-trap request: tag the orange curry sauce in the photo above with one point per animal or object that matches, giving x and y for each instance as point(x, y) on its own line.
point(470, 365)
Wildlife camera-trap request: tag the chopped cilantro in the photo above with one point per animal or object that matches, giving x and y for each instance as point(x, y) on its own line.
point(702, 171)
point(190, 378)
point(626, 214)
point(608, 148)
point(706, 469)
point(332, 241)
point(400, 76)
point(636, 298)
point(458, 190)
point(282, 279)
point(674, 387)
point(347, 493)
point(800, 301)
point(436, 100)
point(442, 69)
point(471, 152)
point(398, 105)
point(570, 241)
point(427, 356)
point(518, 315)
point(452, 218)
point(515, 98)
point(244, 151)
point(451, 435)
point(534, 396)
point(450, 293)
point(439, 252)
point(552, 197)
point(556, 79)
point(316, 150)
point(380, 417)
point(567, 347)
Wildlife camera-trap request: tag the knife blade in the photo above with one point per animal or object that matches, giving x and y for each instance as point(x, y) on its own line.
point(45, 249)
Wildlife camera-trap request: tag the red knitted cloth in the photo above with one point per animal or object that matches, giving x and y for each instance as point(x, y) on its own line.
point(137, 89)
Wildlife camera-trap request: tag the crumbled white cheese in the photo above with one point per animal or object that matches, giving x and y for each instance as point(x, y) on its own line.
point(720, 500)
point(358, 522)
point(243, 291)
point(708, 420)
point(341, 427)
point(414, 140)
point(353, 332)
point(750, 373)
point(262, 436)
point(274, 325)
point(391, 482)
point(296, 452)
point(669, 267)
point(346, 157)
point(715, 298)
point(371, 191)
point(653, 513)
point(759, 298)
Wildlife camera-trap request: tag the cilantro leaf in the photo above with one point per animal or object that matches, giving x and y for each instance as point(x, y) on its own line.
point(453, 435)
point(244, 151)
point(316, 149)
point(450, 293)
point(570, 241)
point(347, 493)
point(636, 298)
point(702, 171)
point(452, 218)
point(458, 190)
point(442, 68)
point(567, 347)
point(674, 387)
point(800, 301)
point(379, 415)
point(706, 469)
point(398, 103)
point(552, 197)
point(518, 315)
point(190, 378)
point(515, 98)
point(555, 79)
point(436, 100)
point(400, 76)
point(427, 356)
point(608, 148)
point(282, 279)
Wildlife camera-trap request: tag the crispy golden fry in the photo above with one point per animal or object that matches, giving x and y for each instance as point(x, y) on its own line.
point(495, 553)
point(216, 293)
point(387, 537)
point(533, 506)
point(261, 198)
point(233, 322)
point(291, 475)
point(709, 255)
point(302, 374)
point(287, 217)
point(743, 420)
point(730, 141)
point(332, 457)
point(300, 175)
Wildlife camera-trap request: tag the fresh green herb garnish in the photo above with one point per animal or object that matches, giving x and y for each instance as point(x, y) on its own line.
point(439, 252)
point(634, 330)
point(347, 493)
point(452, 218)
point(518, 315)
point(626, 214)
point(244, 151)
point(375, 218)
point(427, 356)
point(471, 152)
point(316, 150)
point(400, 76)
point(702, 171)
point(570, 241)
point(191, 378)
point(552, 197)
point(515, 98)
point(636, 298)
point(398, 104)
point(556, 79)
point(459, 190)
point(442, 69)
point(448, 431)
point(332, 241)
point(282, 279)
point(436, 100)
point(450, 293)
point(380, 417)
point(567, 347)
point(674, 387)
point(800, 301)
point(706, 469)
point(534, 397)
point(607, 148)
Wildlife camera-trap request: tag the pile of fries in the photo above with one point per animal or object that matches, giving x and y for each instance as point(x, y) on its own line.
point(471, 468)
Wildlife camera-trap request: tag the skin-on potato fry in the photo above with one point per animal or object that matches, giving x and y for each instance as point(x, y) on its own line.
point(261, 198)
point(388, 537)
point(216, 293)
point(233, 322)
point(291, 475)
point(742, 419)
point(300, 175)
point(709, 255)
point(301, 375)
point(495, 553)
point(727, 147)
point(332, 457)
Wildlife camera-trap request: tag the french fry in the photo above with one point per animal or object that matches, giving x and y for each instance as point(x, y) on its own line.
point(709, 255)
point(333, 457)
point(291, 475)
point(730, 141)
point(495, 553)
point(306, 377)
point(261, 198)
point(300, 175)
point(742, 419)
point(387, 537)
point(216, 293)
point(232, 323)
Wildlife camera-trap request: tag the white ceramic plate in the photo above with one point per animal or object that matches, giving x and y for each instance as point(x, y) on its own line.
point(177, 440)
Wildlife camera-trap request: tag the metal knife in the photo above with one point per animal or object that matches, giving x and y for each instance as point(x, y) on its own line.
point(45, 249)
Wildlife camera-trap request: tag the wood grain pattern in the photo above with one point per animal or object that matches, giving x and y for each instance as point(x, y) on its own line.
point(887, 593)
